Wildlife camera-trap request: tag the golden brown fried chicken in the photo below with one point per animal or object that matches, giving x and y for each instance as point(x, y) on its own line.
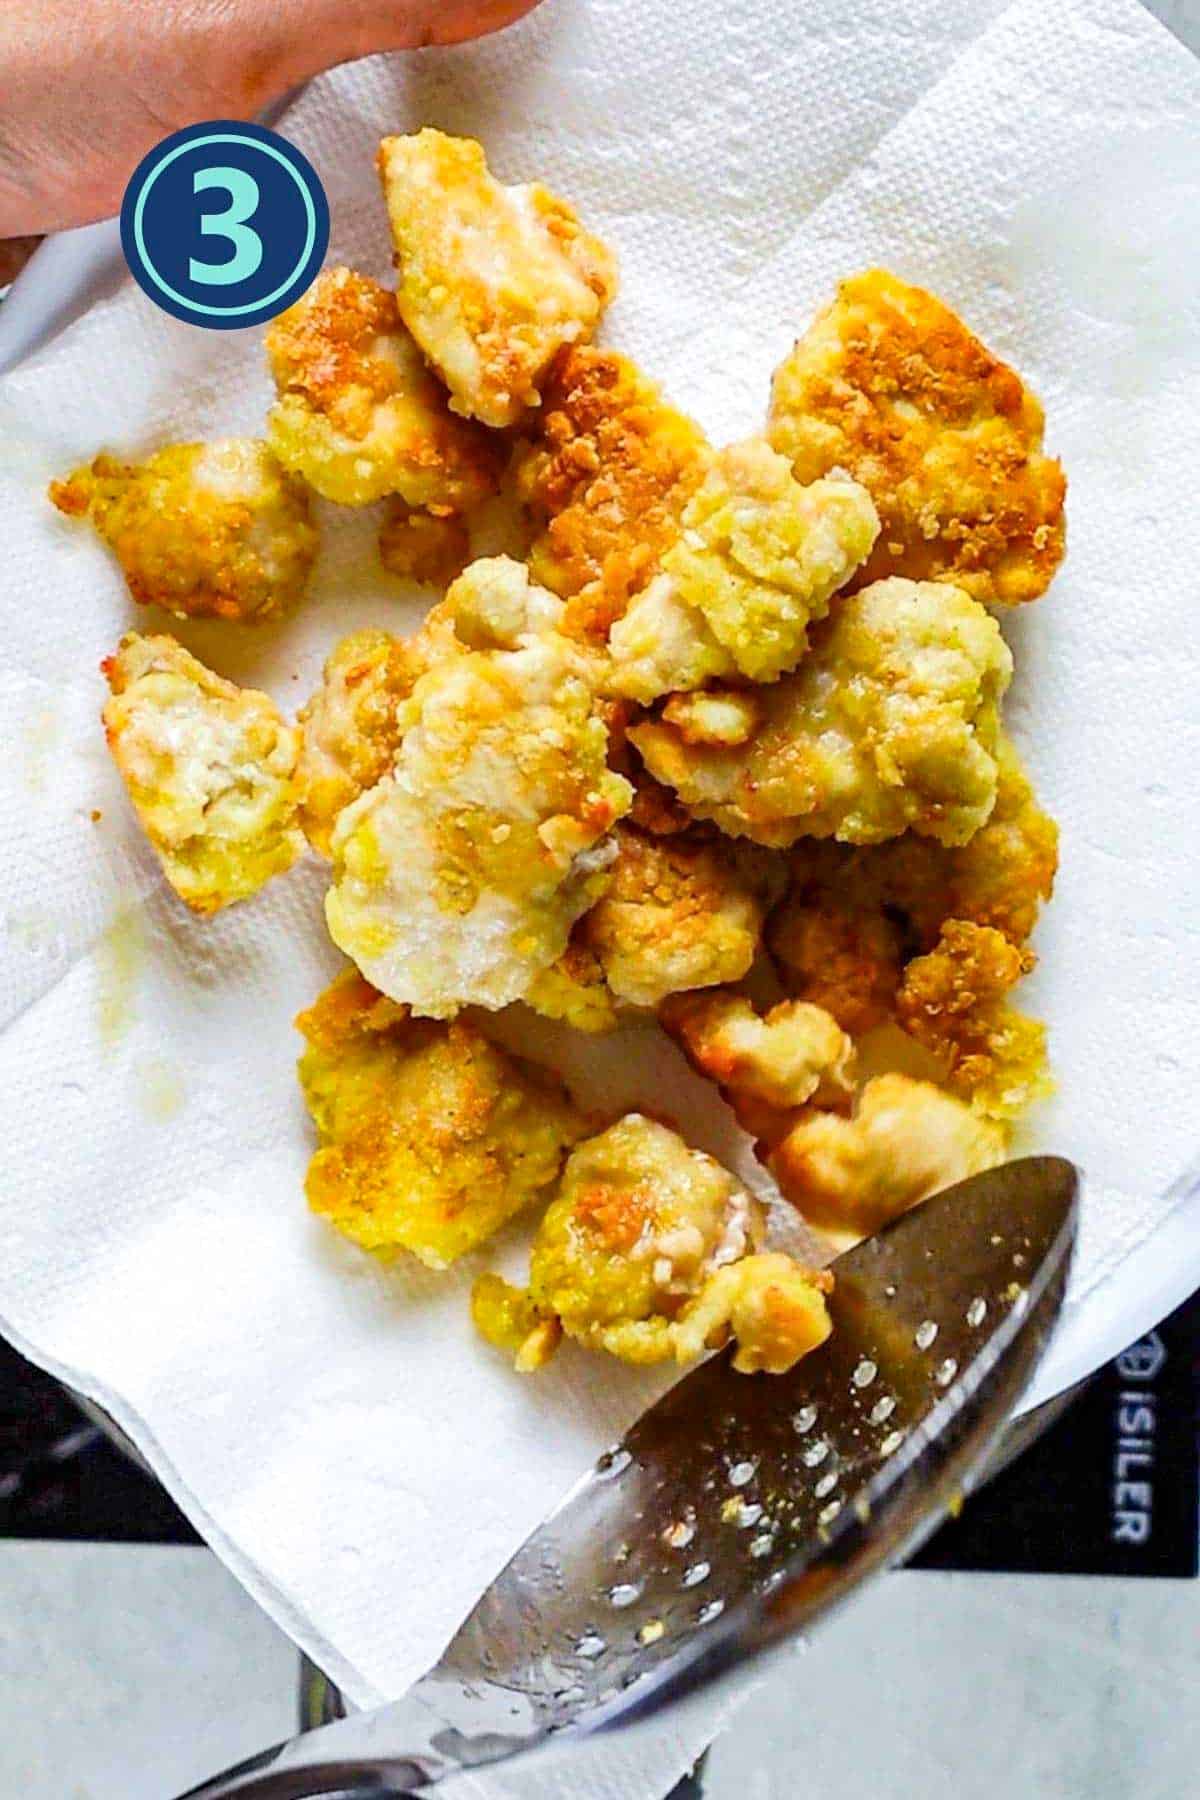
point(678, 913)
point(766, 1065)
point(423, 546)
point(891, 386)
point(210, 769)
point(574, 987)
point(350, 728)
point(431, 1136)
point(214, 530)
point(358, 414)
point(952, 1000)
point(853, 916)
point(906, 1140)
point(458, 876)
point(889, 724)
point(493, 280)
point(607, 478)
point(757, 560)
point(635, 1254)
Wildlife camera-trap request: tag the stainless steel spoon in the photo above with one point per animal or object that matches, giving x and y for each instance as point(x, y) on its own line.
point(739, 1508)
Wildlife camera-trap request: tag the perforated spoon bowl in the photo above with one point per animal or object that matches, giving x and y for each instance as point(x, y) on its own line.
point(739, 1508)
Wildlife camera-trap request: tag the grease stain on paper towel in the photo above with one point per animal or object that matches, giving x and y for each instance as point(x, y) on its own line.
point(119, 957)
point(41, 735)
point(160, 1088)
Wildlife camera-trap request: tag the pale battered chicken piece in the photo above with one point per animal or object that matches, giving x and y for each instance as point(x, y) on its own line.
point(952, 1001)
point(627, 1254)
point(757, 560)
point(792, 1056)
point(678, 913)
point(215, 530)
point(423, 546)
point(853, 917)
point(458, 876)
point(773, 1308)
point(606, 477)
point(890, 723)
point(210, 769)
point(359, 415)
point(493, 280)
point(431, 1136)
point(891, 386)
point(350, 728)
point(906, 1140)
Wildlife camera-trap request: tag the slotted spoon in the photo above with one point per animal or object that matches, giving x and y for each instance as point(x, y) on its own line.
point(738, 1508)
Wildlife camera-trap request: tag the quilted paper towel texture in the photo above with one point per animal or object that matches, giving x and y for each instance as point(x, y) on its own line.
point(331, 1426)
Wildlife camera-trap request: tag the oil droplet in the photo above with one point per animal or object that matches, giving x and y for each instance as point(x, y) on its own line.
point(118, 960)
point(865, 1373)
point(698, 1572)
point(829, 1513)
point(926, 1332)
point(804, 1420)
point(883, 1409)
point(742, 1472)
point(625, 1593)
point(590, 1646)
point(815, 1454)
point(977, 1311)
point(709, 1612)
point(826, 1484)
point(946, 1372)
point(891, 1443)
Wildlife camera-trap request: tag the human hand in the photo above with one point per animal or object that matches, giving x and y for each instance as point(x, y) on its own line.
point(88, 90)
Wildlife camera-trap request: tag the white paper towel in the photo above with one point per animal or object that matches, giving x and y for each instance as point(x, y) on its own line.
point(331, 1426)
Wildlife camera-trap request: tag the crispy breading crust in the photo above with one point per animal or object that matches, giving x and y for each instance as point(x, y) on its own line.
point(210, 769)
point(423, 547)
point(890, 723)
point(952, 1000)
point(890, 385)
point(359, 415)
point(607, 477)
point(792, 1056)
point(431, 1136)
point(493, 280)
point(216, 530)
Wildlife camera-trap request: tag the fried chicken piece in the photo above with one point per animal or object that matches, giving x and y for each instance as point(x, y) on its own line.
point(757, 560)
point(906, 1140)
point(458, 876)
point(853, 917)
point(633, 1257)
point(574, 988)
point(953, 1001)
point(766, 1065)
point(350, 728)
point(423, 547)
point(215, 530)
point(678, 913)
point(890, 385)
point(493, 280)
point(607, 477)
point(889, 724)
point(431, 1136)
point(210, 769)
point(358, 414)
point(507, 1318)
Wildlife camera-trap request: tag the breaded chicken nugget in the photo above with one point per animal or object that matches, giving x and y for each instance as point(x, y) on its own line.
point(890, 385)
point(214, 530)
point(906, 1140)
point(757, 560)
point(423, 546)
point(210, 769)
point(678, 913)
point(350, 728)
point(766, 1065)
point(626, 1256)
point(493, 280)
point(953, 1001)
point(853, 917)
point(359, 415)
point(574, 988)
point(607, 477)
point(431, 1137)
point(889, 724)
point(458, 876)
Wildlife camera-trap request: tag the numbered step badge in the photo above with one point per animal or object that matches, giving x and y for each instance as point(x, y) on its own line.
point(224, 224)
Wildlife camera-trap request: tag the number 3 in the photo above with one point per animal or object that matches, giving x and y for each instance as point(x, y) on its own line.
point(247, 245)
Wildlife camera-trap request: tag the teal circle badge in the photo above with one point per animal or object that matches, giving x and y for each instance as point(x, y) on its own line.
point(224, 224)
